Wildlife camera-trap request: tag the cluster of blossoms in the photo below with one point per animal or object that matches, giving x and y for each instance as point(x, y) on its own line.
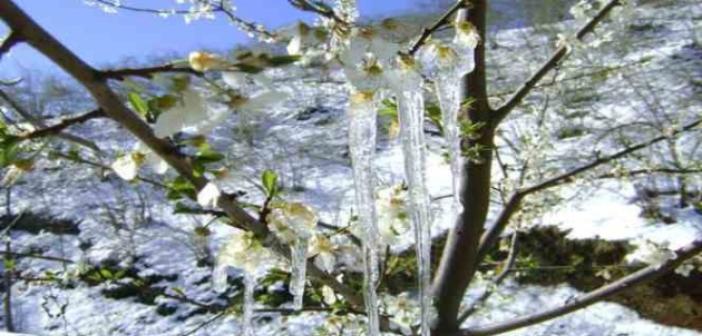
point(653, 253)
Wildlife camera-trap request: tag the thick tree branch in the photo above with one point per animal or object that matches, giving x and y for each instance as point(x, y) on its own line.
point(8, 42)
point(62, 125)
point(551, 63)
point(444, 19)
point(113, 107)
point(642, 276)
point(491, 237)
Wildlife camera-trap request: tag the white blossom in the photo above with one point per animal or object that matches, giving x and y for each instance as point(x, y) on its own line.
point(209, 195)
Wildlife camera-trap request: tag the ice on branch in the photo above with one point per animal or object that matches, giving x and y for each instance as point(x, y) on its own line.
point(362, 136)
point(204, 61)
point(446, 64)
point(294, 224)
point(324, 253)
point(393, 217)
point(407, 88)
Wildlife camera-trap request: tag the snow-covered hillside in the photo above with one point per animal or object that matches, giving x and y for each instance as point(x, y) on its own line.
point(595, 101)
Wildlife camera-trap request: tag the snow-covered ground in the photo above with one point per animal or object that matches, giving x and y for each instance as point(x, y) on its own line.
point(305, 142)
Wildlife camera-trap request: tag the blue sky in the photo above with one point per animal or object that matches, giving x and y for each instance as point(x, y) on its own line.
point(101, 38)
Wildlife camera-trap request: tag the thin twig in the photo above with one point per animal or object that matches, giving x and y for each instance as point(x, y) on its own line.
point(551, 63)
point(491, 236)
point(146, 72)
point(427, 32)
point(62, 125)
point(36, 122)
point(642, 276)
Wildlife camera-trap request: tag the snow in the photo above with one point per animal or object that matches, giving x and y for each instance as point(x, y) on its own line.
point(311, 158)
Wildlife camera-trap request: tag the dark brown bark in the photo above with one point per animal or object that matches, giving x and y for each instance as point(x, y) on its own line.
point(458, 261)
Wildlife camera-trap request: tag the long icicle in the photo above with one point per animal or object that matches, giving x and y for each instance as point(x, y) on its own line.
point(299, 270)
point(448, 90)
point(249, 286)
point(411, 114)
point(362, 137)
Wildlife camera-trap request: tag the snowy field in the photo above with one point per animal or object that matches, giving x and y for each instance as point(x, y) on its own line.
point(305, 142)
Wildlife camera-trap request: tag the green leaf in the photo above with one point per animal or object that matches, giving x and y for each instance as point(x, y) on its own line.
point(105, 273)
point(434, 115)
point(138, 104)
point(388, 109)
point(270, 182)
point(248, 68)
point(283, 60)
point(178, 291)
point(208, 155)
point(180, 83)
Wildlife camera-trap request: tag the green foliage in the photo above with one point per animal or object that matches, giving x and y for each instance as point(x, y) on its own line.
point(434, 115)
point(138, 104)
point(269, 179)
point(179, 188)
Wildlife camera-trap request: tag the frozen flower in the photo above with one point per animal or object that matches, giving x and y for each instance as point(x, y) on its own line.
point(242, 251)
point(685, 269)
point(404, 76)
point(127, 166)
point(209, 196)
point(328, 295)
point(323, 250)
point(653, 253)
point(292, 220)
point(466, 37)
point(401, 309)
point(190, 111)
point(438, 58)
point(366, 76)
point(365, 59)
point(204, 61)
point(304, 37)
point(393, 220)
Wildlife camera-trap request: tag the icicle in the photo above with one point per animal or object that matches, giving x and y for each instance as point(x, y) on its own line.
point(299, 270)
point(411, 108)
point(362, 136)
point(408, 89)
point(448, 90)
point(249, 286)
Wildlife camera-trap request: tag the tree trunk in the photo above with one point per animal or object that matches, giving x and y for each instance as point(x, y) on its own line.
point(458, 262)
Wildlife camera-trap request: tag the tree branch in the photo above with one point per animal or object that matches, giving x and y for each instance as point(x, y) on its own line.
point(62, 125)
point(147, 72)
point(113, 107)
point(506, 269)
point(217, 7)
point(642, 276)
point(551, 63)
point(491, 237)
point(40, 124)
point(427, 32)
point(307, 6)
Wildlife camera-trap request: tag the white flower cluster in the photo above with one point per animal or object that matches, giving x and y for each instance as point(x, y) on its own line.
point(653, 253)
point(245, 252)
point(127, 166)
point(403, 310)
